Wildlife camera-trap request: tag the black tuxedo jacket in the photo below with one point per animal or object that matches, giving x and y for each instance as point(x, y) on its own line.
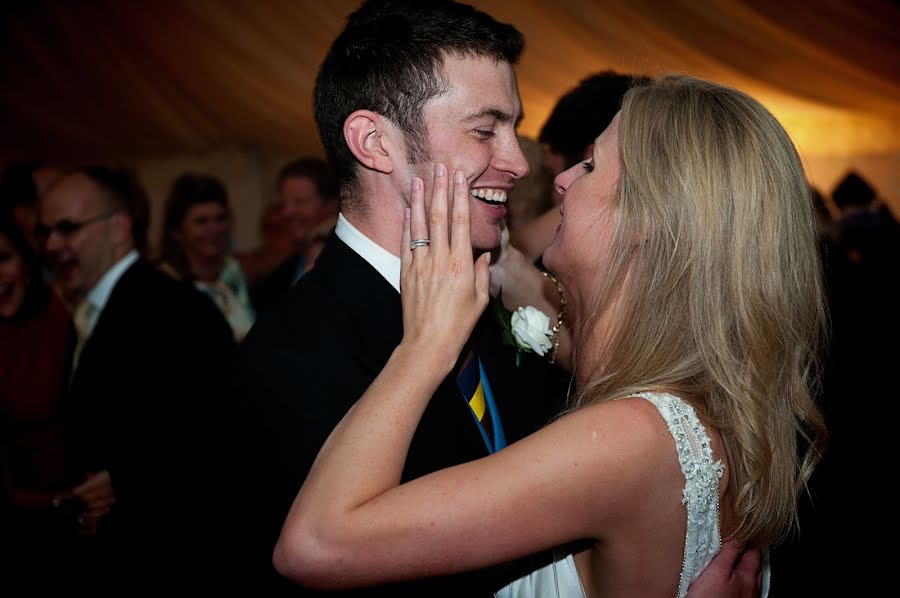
point(267, 291)
point(312, 356)
point(145, 406)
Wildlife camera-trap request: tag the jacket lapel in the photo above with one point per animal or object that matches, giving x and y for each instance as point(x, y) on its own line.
point(109, 317)
point(370, 304)
point(375, 316)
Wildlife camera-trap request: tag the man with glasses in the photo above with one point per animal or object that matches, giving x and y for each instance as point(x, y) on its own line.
point(150, 364)
point(67, 227)
point(61, 250)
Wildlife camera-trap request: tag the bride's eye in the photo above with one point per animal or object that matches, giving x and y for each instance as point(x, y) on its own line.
point(588, 165)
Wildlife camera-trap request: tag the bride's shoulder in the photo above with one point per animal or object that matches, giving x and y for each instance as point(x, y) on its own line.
point(634, 417)
point(624, 456)
point(630, 432)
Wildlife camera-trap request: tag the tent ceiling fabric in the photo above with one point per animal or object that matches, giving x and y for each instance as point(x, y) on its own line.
point(119, 80)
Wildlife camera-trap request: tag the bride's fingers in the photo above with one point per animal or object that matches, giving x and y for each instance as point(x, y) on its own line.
point(437, 212)
point(483, 278)
point(405, 253)
point(418, 228)
point(460, 234)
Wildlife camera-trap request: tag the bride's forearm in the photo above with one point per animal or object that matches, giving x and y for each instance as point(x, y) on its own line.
point(372, 439)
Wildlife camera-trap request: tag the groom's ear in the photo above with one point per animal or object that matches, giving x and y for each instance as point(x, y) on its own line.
point(372, 139)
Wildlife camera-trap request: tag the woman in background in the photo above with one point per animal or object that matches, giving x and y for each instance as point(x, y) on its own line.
point(195, 247)
point(40, 517)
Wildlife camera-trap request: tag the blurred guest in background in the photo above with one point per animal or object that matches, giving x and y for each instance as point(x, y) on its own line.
point(20, 195)
point(44, 176)
point(866, 233)
point(151, 361)
point(843, 508)
point(277, 245)
point(195, 246)
point(579, 116)
point(824, 218)
point(533, 194)
point(36, 339)
point(308, 193)
point(568, 138)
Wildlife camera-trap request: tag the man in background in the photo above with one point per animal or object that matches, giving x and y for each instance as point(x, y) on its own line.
point(149, 371)
point(307, 193)
point(568, 136)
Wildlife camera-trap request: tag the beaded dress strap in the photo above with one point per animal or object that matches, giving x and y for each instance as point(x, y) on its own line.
point(701, 484)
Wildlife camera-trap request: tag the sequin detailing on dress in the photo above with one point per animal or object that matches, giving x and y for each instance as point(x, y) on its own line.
point(701, 484)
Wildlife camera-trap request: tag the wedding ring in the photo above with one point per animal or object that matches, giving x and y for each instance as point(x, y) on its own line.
point(419, 243)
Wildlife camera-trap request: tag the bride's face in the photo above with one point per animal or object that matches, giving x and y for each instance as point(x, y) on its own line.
point(579, 252)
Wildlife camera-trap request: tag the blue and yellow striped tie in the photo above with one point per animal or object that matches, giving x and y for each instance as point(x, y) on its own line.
point(476, 391)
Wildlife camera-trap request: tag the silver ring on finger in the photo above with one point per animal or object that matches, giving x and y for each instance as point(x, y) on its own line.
point(419, 243)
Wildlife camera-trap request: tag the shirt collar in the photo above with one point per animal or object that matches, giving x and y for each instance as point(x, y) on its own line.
point(99, 295)
point(386, 263)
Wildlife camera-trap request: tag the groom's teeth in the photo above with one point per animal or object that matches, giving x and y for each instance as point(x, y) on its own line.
point(489, 195)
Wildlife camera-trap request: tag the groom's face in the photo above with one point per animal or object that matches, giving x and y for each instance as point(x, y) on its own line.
point(472, 128)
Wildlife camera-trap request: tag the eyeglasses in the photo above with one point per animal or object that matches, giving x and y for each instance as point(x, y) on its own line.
point(66, 227)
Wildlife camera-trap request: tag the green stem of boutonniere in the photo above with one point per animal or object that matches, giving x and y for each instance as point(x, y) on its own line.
point(504, 317)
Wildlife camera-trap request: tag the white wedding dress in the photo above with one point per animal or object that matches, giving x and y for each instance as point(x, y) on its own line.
point(700, 497)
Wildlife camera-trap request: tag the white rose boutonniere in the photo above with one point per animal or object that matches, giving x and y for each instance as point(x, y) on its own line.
point(526, 330)
point(531, 327)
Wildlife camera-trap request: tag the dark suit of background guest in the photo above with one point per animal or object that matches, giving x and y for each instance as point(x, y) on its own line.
point(264, 293)
point(861, 258)
point(146, 396)
point(312, 356)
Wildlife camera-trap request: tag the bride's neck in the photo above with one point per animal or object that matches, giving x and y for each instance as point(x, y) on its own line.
point(589, 354)
point(591, 345)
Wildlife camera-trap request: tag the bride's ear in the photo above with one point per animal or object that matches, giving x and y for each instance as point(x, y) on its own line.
point(371, 139)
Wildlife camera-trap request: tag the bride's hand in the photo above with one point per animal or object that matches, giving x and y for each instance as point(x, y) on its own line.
point(442, 289)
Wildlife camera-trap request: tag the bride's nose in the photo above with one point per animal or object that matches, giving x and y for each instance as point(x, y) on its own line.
point(564, 179)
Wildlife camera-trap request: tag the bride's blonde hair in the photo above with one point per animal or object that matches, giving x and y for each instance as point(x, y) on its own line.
point(723, 299)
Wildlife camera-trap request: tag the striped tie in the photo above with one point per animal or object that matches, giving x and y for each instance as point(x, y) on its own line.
point(472, 387)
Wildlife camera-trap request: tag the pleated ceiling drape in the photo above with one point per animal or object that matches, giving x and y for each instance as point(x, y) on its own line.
point(129, 80)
